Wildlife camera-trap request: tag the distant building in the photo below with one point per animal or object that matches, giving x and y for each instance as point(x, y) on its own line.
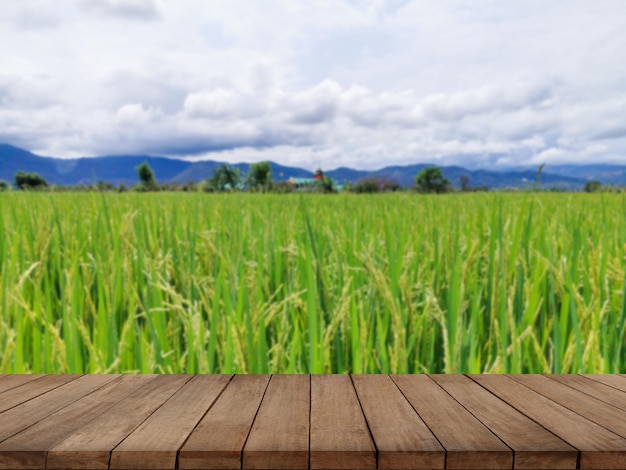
point(306, 183)
point(300, 183)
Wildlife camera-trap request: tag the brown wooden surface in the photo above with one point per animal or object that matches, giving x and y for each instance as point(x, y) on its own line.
point(599, 448)
point(589, 407)
point(18, 395)
point(615, 381)
point(402, 439)
point(90, 447)
point(321, 422)
point(534, 446)
point(28, 448)
point(279, 438)
point(593, 388)
point(459, 432)
point(7, 382)
point(339, 435)
point(155, 443)
point(17, 452)
point(217, 442)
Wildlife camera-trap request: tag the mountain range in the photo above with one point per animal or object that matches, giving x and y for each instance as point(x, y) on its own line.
point(121, 169)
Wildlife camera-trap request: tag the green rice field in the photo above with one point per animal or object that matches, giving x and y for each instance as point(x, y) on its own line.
point(245, 283)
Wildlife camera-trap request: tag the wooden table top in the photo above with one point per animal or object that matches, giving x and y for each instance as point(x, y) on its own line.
point(318, 422)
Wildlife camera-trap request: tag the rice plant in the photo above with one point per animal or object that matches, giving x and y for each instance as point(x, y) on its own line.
point(255, 283)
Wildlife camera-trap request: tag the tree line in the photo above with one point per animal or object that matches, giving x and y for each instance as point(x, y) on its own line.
point(224, 178)
point(229, 179)
point(259, 178)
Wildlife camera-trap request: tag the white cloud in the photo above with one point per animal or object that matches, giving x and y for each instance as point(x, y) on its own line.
point(223, 104)
point(314, 106)
point(129, 9)
point(27, 92)
point(348, 82)
point(485, 99)
point(549, 155)
point(135, 114)
point(37, 17)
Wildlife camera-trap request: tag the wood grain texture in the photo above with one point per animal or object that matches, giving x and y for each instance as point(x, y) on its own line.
point(154, 444)
point(468, 443)
point(340, 438)
point(7, 382)
point(594, 410)
point(615, 381)
point(90, 447)
point(217, 442)
point(28, 413)
point(402, 439)
point(279, 438)
point(30, 390)
point(321, 422)
point(28, 448)
point(534, 446)
point(593, 388)
point(599, 448)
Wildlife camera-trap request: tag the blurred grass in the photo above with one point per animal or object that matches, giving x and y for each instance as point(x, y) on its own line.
point(243, 283)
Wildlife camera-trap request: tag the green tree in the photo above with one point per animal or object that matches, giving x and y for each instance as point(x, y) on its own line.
point(225, 177)
point(29, 180)
point(431, 180)
point(260, 176)
point(232, 177)
point(326, 185)
point(4, 186)
point(592, 186)
point(146, 175)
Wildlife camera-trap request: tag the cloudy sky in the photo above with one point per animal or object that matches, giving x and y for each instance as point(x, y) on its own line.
point(360, 83)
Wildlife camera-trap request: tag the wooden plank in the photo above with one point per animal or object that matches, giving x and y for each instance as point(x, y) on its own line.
point(401, 438)
point(90, 446)
point(599, 448)
point(468, 443)
point(30, 390)
point(279, 437)
point(340, 438)
point(218, 440)
point(140, 422)
point(597, 390)
point(28, 448)
point(28, 413)
point(154, 444)
point(595, 410)
point(7, 382)
point(534, 446)
point(615, 381)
